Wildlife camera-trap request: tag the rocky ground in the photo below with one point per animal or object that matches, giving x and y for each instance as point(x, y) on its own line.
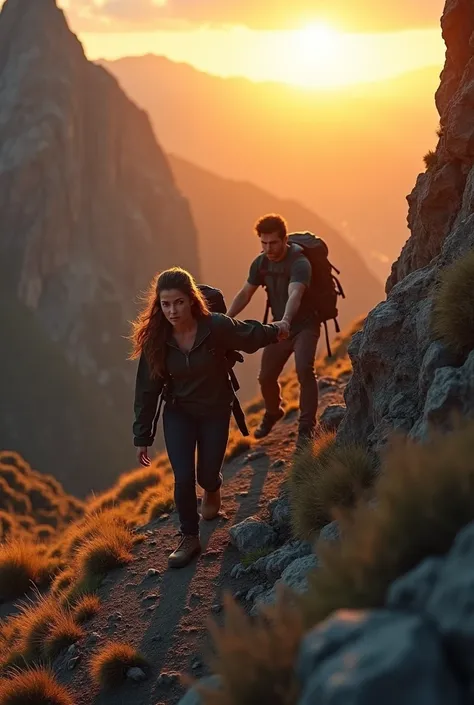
point(164, 613)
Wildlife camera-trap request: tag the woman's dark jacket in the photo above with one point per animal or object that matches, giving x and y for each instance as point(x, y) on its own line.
point(198, 381)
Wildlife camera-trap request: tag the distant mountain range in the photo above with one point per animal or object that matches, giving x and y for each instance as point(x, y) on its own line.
point(350, 155)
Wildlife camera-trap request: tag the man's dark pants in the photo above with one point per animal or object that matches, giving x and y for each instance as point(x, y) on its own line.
point(303, 344)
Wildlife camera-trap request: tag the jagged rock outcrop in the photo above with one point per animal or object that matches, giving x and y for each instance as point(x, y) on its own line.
point(89, 210)
point(404, 379)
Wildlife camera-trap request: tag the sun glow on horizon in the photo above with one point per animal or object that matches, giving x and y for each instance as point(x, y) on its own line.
point(315, 56)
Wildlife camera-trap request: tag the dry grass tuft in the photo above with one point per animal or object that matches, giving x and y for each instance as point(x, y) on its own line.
point(237, 445)
point(86, 608)
point(453, 306)
point(431, 160)
point(110, 664)
point(62, 581)
point(256, 659)
point(324, 479)
point(33, 687)
point(41, 630)
point(107, 548)
point(63, 632)
point(160, 503)
point(20, 567)
point(425, 495)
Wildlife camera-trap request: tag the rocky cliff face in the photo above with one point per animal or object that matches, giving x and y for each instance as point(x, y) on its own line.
point(89, 210)
point(404, 379)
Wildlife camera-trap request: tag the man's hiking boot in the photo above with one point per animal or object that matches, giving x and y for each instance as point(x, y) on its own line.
point(188, 547)
point(210, 505)
point(268, 423)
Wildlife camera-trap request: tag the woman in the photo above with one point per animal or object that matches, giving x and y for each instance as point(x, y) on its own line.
point(180, 343)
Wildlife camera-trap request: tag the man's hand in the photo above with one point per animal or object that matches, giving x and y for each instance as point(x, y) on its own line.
point(283, 328)
point(143, 457)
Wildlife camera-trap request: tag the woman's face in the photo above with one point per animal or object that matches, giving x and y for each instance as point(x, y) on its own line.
point(176, 306)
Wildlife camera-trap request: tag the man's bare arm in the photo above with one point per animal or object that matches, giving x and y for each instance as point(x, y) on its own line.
point(242, 299)
point(295, 294)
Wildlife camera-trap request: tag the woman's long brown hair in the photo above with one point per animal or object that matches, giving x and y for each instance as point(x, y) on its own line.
point(151, 329)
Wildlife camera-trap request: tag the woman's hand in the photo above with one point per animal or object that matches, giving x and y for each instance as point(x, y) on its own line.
point(143, 457)
point(283, 328)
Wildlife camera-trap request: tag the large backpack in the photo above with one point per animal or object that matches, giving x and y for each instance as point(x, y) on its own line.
point(216, 304)
point(324, 288)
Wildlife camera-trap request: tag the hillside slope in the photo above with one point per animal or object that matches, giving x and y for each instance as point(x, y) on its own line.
point(117, 550)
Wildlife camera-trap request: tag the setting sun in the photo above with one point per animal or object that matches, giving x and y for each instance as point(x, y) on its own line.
point(318, 50)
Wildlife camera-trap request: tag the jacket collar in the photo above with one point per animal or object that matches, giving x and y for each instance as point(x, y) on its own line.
point(203, 331)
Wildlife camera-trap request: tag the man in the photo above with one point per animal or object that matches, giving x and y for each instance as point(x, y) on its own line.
point(286, 274)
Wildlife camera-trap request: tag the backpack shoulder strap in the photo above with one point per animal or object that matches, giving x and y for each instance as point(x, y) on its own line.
point(229, 357)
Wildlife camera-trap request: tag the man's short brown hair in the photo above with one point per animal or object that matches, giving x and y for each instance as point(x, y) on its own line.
point(272, 223)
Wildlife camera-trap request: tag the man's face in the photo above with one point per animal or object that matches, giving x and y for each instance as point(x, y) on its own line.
point(274, 246)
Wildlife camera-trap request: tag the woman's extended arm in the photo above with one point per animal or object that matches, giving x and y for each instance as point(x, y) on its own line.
point(246, 336)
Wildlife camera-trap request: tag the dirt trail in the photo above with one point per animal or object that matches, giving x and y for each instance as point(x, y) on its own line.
point(165, 615)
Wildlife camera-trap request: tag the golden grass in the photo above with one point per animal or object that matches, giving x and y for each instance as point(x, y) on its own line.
point(107, 548)
point(62, 633)
point(325, 478)
point(20, 568)
point(453, 306)
point(110, 664)
point(62, 581)
point(33, 687)
point(86, 608)
point(237, 445)
point(424, 496)
point(256, 659)
point(39, 631)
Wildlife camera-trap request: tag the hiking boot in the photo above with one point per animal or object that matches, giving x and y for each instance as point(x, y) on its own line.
point(188, 547)
point(268, 423)
point(210, 505)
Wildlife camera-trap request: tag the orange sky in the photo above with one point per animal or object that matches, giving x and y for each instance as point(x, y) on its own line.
point(311, 43)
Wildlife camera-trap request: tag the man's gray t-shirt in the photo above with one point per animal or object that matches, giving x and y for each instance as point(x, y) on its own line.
point(297, 268)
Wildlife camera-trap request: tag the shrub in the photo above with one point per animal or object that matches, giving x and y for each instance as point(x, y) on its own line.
point(256, 659)
point(86, 608)
point(110, 664)
point(453, 306)
point(424, 496)
point(32, 625)
point(82, 586)
point(107, 548)
point(236, 446)
point(8, 525)
point(430, 159)
point(63, 632)
point(33, 687)
point(62, 581)
point(91, 525)
point(325, 478)
point(41, 630)
point(159, 504)
point(132, 485)
point(253, 556)
point(20, 566)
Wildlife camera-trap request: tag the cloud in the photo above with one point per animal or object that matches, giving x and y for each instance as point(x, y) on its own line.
point(357, 15)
